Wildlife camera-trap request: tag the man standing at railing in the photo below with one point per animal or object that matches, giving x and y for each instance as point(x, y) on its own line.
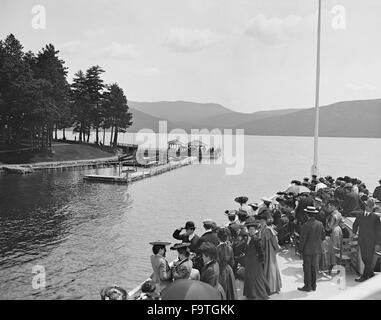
point(311, 237)
point(368, 225)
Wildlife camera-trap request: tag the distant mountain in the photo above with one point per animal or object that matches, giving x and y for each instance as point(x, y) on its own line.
point(342, 119)
point(142, 120)
point(180, 111)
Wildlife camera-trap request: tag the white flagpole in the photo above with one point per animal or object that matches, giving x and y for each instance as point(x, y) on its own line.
point(314, 169)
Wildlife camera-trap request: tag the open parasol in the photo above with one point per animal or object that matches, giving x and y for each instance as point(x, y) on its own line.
point(184, 289)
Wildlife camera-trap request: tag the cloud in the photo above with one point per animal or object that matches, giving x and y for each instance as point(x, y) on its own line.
point(118, 51)
point(148, 72)
point(362, 87)
point(189, 40)
point(275, 30)
point(69, 47)
point(94, 33)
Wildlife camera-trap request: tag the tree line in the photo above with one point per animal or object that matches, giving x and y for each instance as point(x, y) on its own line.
point(36, 99)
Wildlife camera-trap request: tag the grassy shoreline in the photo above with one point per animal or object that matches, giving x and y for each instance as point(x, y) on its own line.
point(61, 151)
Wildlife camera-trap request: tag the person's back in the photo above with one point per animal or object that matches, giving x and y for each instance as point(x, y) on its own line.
point(311, 237)
point(351, 203)
point(209, 237)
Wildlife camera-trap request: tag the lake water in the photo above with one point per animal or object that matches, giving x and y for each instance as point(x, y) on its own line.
point(91, 235)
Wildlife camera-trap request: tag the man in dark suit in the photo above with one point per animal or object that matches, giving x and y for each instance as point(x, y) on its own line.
point(188, 236)
point(209, 235)
point(377, 192)
point(311, 237)
point(368, 225)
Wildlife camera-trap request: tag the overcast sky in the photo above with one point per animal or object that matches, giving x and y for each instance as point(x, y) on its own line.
point(248, 55)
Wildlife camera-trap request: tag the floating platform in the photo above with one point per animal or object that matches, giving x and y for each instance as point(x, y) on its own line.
point(17, 169)
point(139, 175)
point(105, 178)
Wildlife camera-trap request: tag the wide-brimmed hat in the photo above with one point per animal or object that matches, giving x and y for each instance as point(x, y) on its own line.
point(189, 225)
point(231, 212)
point(311, 210)
point(242, 212)
point(159, 243)
point(254, 206)
point(265, 199)
point(250, 222)
point(241, 199)
point(348, 186)
point(177, 246)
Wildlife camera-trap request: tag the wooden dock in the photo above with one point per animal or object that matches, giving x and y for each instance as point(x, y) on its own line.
point(139, 175)
point(20, 169)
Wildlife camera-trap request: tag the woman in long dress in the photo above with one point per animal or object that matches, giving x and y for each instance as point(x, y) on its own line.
point(256, 285)
point(334, 226)
point(225, 257)
point(270, 248)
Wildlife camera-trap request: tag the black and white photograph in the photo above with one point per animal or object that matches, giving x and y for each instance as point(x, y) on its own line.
point(201, 150)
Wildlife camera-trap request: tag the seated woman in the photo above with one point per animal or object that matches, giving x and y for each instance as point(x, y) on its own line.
point(182, 268)
point(210, 272)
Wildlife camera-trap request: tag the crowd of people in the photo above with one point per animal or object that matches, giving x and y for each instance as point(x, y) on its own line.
point(307, 215)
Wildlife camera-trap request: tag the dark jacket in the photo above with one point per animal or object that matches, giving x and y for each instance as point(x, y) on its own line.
point(194, 243)
point(368, 228)
point(339, 193)
point(311, 237)
point(209, 237)
point(210, 273)
point(351, 203)
point(377, 193)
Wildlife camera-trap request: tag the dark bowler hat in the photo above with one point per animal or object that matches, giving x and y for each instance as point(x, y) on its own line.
point(311, 210)
point(159, 243)
point(189, 225)
point(177, 246)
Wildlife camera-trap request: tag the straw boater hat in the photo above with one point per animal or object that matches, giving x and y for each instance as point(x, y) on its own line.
point(311, 210)
point(160, 243)
point(208, 221)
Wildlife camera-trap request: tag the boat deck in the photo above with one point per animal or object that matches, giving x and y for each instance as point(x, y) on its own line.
point(291, 270)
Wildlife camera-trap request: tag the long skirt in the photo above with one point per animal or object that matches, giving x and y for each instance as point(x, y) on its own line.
point(256, 285)
point(227, 281)
point(327, 258)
